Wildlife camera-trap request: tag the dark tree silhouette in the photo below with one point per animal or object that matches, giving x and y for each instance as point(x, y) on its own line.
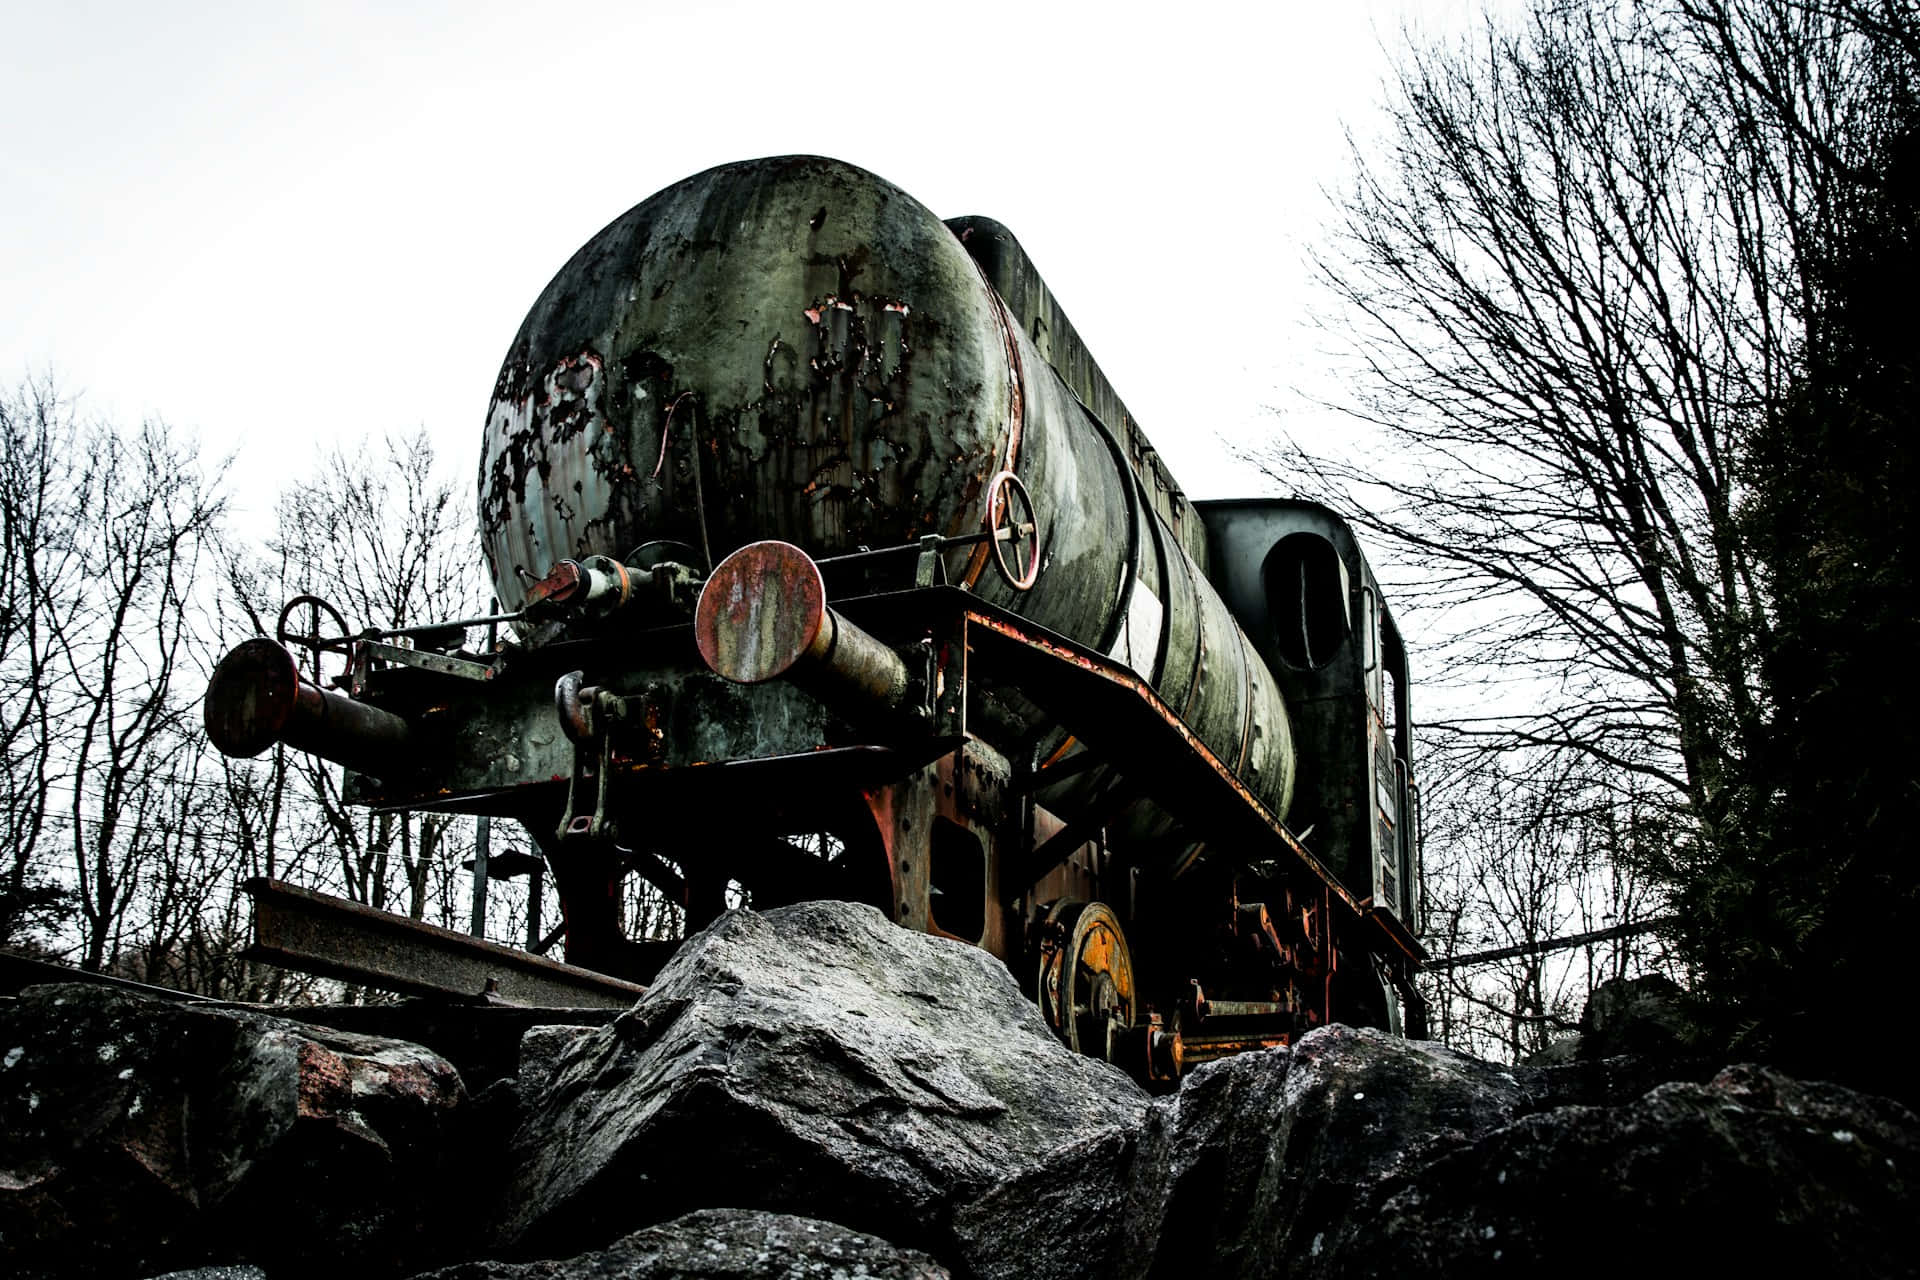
point(1587, 276)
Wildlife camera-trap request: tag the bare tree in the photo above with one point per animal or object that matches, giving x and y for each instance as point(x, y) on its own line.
point(1521, 861)
point(107, 535)
point(126, 630)
point(1577, 278)
point(1571, 306)
point(43, 489)
point(389, 542)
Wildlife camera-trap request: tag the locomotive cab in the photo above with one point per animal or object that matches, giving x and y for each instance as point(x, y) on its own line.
point(1295, 578)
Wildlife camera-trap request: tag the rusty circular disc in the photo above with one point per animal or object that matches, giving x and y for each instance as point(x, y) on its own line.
point(251, 697)
point(761, 609)
point(1097, 998)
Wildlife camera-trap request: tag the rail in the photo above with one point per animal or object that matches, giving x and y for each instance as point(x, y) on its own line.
point(316, 933)
point(1546, 945)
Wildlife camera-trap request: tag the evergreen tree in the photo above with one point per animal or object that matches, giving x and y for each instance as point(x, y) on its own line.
point(1805, 930)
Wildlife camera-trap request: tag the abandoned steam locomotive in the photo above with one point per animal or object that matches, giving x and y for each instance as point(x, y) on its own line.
point(835, 568)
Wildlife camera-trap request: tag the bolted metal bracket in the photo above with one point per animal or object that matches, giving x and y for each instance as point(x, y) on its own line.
point(929, 569)
point(605, 728)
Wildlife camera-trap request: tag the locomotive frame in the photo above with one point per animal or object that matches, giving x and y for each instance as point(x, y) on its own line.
point(872, 723)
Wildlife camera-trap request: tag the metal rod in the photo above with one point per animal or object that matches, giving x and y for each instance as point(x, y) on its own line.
point(482, 846)
point(1023, 529)
point(486, 620)
point(536, 886)
point(1553, 944)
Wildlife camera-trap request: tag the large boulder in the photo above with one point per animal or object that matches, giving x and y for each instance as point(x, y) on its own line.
point(1643, 1017)
point(815, 1059)
point(1247, 1169)
point(1751, 1173)
point(138, 1135)
point(1355, 1152)
point(725, 1244)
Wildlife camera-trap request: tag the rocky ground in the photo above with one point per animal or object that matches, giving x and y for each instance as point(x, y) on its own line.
point(813, 1092)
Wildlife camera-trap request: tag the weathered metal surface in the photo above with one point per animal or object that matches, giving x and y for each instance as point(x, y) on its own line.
point(426, 660)
point(1086, 985)
point(763, 609)
point(18, 972)
point(1038, 314)
point(1014, 533)
point(257, 698)
point(763, 614)
point(794, 349)
point(787, 348)
point(1631, 929)
point(1111, 707)
point(316, 933)
point(1328, 637)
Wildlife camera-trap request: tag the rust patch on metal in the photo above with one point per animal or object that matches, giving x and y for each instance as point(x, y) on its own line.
point(1195, 749)
point(257, 698)
point(561, 584)
point(763, 608)
point(317, 933)
point(251, 698)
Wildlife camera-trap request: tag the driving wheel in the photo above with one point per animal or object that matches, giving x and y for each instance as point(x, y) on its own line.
point(1085, 981)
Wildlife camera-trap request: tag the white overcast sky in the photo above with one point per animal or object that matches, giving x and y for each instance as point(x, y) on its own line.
point(289, 226)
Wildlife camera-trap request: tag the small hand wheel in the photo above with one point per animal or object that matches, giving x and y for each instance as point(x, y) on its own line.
point(313, 639)
point(1015, 531)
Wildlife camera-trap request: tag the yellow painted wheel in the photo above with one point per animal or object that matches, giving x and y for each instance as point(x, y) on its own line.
point(1086, 989)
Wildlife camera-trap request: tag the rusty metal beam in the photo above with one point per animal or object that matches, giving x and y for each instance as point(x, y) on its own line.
point(18, 972)
point(317, 933)
point(1631, 929)
point(1113, 710)
point(1024, 871)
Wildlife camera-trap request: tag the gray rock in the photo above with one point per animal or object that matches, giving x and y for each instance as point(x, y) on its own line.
point(1257, 1166)
point(215, 1273)
point(1750, 1173)
point(542, 1049)
point(815, 1060)
point(139, 1134)
point(482, 1041)
point(725, 1244)
point(1644, 1016)
point(1062, 1217)
point(1247, 1168)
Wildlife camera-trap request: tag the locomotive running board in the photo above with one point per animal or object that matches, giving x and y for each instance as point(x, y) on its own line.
point(316, 933)
point(1112, 710)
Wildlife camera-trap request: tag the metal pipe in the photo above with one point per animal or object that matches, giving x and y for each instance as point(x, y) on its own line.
point(257, 698)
